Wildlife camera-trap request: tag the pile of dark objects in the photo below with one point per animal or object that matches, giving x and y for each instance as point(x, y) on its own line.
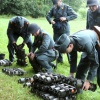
point(3, 61)
point(7, 70)
point(20, 55)
point(51, 86)
point(13, 71)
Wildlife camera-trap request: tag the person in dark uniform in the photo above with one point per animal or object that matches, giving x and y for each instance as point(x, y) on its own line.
point(93, 14)
point(62, 14)
point(17, 27)
point(85, 41)
point(45, 44)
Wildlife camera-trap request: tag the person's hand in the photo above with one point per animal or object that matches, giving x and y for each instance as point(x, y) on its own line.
point(31, 55)
point(86, 85)
point(63, 18)
point(52, 22)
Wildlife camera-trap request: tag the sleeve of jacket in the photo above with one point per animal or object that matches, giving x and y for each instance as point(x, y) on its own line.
point(93, 57)
point(10, 33)
point(34, 46)
point(45, 44)
point(50, 15)
point(71, 13)
point(27, 36)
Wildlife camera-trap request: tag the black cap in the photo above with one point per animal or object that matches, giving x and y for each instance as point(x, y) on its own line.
point(33, 28)
point(55, 2)
point(62, 43)
point(92, 2)
point(19, 21)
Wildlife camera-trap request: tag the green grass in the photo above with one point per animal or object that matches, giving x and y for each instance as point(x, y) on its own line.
point(9, 87)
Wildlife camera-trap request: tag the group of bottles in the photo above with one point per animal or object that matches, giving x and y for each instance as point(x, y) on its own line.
point(50, 87)
point(78, 83)
point(5, 62)
point(26, 81)
point(13, 71)
point(59, 90)
point(49, 96)
point(48, 78)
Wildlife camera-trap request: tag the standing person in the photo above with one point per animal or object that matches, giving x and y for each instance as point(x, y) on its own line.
point(85, 41)
point(93, 14)
point(62, 14)
point(45, 44)
point(17, 27)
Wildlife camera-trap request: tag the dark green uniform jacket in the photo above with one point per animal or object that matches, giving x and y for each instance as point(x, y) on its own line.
point(14, 30)
point(45, 45)
point(63, 11)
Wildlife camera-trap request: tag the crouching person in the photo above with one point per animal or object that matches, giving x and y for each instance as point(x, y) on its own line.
point(45, 44)
point(83, 41)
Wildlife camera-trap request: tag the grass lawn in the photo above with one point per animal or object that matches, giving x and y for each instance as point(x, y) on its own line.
point(9, 87)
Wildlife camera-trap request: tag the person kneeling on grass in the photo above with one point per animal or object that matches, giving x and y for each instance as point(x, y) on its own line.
point(85, 41)
point(45, 44)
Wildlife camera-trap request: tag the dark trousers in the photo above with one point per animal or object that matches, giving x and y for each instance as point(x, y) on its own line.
point(87, 68)
point(45, 62)
point(98, 71)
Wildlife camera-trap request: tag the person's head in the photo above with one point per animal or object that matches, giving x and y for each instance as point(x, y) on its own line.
point(19, 22)
point(34, 29)
point(63, 44)
point(57, 2)
point(93, 5)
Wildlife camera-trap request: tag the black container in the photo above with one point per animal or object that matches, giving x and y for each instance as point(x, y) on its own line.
point(2, 56)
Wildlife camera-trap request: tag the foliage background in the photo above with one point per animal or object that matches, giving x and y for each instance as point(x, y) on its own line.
point(34, 8)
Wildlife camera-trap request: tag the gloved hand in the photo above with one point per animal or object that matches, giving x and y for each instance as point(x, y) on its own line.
point(20, 46)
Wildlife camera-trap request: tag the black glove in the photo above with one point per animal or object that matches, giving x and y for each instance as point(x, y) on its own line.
point(20, 46)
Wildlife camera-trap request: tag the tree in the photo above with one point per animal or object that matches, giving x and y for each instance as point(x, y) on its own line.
point(35, 8)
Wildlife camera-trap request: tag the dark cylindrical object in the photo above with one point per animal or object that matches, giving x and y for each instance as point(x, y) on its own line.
point(28, 84)
point(2, 56)
point(48, 80)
